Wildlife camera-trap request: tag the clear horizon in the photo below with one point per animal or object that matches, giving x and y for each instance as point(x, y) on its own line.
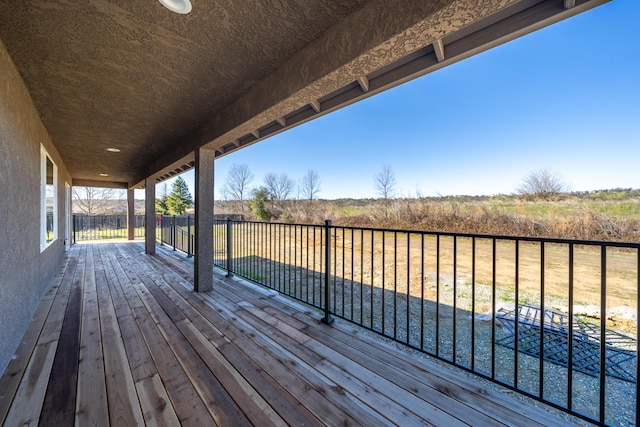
point(565, 98)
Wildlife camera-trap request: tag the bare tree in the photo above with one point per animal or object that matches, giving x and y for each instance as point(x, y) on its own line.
point(308, 189)
point(280, 187)
point(93, 200)
point(270, 183)
point(385, 183)
point(237, 185)
point(542, 184)
point(310, 185)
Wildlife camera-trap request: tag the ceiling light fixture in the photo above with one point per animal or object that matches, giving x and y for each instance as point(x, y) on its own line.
point(113, 150)
point(104, 174)
point(178, 6)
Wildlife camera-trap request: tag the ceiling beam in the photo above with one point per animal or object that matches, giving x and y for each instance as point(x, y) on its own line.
point(255, 133)
point(315, 104)
point(438, 48)
point(364, 83)
point(99, 184)
point(282, 121)
point(569, 4)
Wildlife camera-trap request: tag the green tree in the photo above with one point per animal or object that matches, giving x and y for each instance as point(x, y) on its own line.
point(259, 204)
point(180, 198)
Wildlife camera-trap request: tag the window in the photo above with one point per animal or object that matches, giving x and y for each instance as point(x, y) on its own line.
point(49, 197)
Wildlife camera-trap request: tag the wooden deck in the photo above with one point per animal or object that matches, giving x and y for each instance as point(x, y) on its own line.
point(121, 339)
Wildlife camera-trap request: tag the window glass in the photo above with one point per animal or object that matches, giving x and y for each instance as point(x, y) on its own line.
point(49, 205)
point(49, 200)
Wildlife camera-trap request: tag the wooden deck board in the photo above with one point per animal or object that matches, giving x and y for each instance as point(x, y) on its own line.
point(120, 338)
point(405, 374)
point(91, 404)
point(123, 403)
point(13, 375)
point(27, 404)
point(272, 358)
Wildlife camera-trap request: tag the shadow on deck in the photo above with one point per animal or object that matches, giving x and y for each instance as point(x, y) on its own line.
point(120, 338)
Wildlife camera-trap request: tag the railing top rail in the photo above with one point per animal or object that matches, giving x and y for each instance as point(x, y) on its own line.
point(566, 241)
point(222, 220)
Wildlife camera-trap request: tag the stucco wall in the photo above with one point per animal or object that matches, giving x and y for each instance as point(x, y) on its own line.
point(25, 272)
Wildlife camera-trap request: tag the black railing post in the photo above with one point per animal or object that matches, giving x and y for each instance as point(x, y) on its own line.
point(327, 273)
point(173, 233)
point(74, 229)
point(188, 236)
point(229, 248)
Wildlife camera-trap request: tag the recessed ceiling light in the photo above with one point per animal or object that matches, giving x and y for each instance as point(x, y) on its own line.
point(178, 6)
point(104, 174)
point(113, 150)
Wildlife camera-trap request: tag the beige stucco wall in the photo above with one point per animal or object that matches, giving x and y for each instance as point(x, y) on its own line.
point(25, 271)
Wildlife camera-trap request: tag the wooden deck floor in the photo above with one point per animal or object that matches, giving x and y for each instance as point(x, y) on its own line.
point(120, 339)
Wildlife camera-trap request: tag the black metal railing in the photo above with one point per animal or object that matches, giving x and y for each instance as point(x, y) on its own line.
point(510, 309)
point(97, 227)
point(177, 232)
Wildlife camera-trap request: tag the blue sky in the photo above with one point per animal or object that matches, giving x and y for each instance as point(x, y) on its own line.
point(566, 97)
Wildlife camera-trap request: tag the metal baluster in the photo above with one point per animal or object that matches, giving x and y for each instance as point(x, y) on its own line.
point(408, 285)
point(173, 233)
point(570, 343)
point(473, 303)
point(516, 344)
point(229, 248)
point(437, 295)
point(455, 301)
point(421, 291)
point(603, 332)
point(542, 316)
point(327, 273)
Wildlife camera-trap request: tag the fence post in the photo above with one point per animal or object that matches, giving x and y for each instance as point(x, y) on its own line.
point(173, 233)
point(188, 236)
point(229, 248)
point(74, 229)
point(327, 273)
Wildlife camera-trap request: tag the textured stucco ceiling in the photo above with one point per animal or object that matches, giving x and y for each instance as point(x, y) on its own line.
point(156, 85)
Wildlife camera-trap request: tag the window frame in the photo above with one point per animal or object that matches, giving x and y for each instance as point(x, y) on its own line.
point(44, 156)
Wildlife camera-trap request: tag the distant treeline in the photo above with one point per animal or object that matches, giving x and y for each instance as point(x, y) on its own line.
point(595, 215)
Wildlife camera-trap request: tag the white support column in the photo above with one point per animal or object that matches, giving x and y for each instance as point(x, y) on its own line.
point(131, 214)
point(203, 261)
point(150, 215)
